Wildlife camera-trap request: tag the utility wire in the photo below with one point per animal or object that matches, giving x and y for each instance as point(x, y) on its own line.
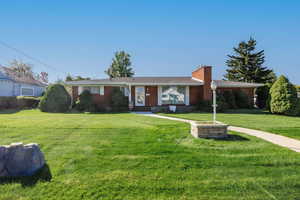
point(29, 56)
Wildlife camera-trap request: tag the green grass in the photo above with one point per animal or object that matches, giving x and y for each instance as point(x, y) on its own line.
point(126, 156)
point(255, 119)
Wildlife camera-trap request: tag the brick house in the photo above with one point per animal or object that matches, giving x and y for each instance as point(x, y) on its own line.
point(146, 93)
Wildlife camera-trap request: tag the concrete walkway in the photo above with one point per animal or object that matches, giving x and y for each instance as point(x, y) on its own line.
point(283, 141)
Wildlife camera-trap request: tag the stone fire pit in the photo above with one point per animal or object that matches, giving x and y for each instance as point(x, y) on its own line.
point(209, 130)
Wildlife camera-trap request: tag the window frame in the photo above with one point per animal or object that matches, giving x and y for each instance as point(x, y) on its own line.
point(172, 103)
point(21, 91)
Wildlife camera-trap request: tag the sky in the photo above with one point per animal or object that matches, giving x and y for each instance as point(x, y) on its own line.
point(164, 38)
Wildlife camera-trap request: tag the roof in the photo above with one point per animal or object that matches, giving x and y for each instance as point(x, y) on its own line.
point(233, 84)
point(185, 80)
point(8, 74)
point(140, 81)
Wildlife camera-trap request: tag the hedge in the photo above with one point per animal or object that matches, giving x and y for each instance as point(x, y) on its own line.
point(85, 102)
point(19, 102)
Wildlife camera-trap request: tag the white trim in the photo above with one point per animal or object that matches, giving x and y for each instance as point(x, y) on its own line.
point(165, 84)
point(187, 95)
point(137, 84)
point(159, 95)
point(21, 94)
point(129, 94)
point(239, 86)
point(101, 90)
point(196, 79)
point(136, 103)
point(80, 90)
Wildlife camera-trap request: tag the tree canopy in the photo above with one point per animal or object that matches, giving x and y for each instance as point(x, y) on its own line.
point(121, 66)
point(246, 64)
point(76, 78)
point(22, 69)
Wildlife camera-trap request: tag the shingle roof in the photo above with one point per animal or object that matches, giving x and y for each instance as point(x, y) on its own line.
point(160, 81)
point(140, 81)
point(232, 84)
point(11, 75)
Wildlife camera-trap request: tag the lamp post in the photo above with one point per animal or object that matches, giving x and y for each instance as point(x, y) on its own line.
point(213, 86)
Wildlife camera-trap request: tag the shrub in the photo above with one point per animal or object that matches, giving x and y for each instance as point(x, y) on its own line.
point(28, 102)
point(85, 102)
point(283, 97)
point(8, 103)
point(230, 99)
point(262, 96)
point(55, 99)
point(119, 101)
point(241, 99)
point(204, 105)
point(222, 105)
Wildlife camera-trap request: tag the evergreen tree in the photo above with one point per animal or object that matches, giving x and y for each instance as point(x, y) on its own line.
point(284, 97)
point(246, 64)
point(121, 66)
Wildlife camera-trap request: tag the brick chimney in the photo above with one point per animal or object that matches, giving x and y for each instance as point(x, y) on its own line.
point(204, 73)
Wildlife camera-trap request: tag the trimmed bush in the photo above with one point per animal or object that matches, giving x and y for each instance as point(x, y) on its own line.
point(242, 100)
point(8, 103)
point(56, 99)
point(262, 96)
point(204, 105)
point(119, 101)
point(207, 106)
point(222, 105)
point(28, 102)
point(230, 99)
point(85, 102)
point(283, 97)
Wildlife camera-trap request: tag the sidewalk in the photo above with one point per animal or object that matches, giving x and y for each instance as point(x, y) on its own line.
point(283, 141)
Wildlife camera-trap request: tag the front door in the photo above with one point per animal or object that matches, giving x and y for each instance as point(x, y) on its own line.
point(151, 96)
point(140, 96)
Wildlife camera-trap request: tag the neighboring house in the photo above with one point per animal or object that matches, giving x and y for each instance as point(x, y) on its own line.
point(147, 92)
point(13, 85)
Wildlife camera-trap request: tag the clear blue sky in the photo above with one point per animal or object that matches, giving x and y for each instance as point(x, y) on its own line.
point(165, 38)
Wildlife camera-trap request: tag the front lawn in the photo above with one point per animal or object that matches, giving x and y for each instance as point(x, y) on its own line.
point(255, 119)
point(128, 156)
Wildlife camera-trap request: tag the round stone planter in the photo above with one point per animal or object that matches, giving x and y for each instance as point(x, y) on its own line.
point(209, 130)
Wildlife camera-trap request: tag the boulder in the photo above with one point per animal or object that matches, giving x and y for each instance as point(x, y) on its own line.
point(20, 160)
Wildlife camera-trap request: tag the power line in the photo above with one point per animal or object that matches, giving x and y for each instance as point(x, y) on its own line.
point(28, 56)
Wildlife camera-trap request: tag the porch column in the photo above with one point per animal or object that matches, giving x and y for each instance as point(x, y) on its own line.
point(187, 95)
point(130, 103)
point(129, 93)
point(159, 95)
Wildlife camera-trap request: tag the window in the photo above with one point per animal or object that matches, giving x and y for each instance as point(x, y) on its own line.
point(27, 92)
point(97, 90)
point(86, 88)
point(173, 95)
point(125, 91)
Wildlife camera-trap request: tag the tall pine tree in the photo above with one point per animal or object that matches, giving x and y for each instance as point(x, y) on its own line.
point(246, 64)
point(121, 66)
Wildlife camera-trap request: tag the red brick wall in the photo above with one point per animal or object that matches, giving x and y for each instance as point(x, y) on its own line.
point(103, 100)
point(204, 74)
point(74, 93)
point(196, 94)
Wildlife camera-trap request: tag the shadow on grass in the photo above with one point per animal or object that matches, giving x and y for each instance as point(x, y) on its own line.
point(43, 174)
point(246, 111)
point(232, 138)
point(9, 111)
